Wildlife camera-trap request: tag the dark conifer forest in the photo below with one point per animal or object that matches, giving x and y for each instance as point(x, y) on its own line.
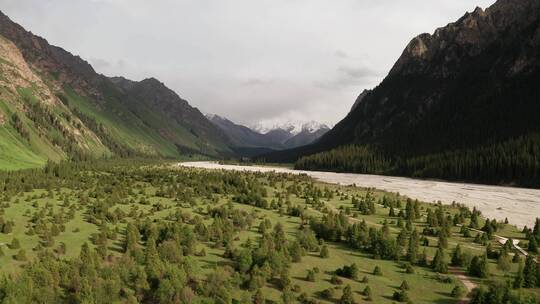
point(513, 162)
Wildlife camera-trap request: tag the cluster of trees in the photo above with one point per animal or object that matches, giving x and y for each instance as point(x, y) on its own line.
point(512, 161)
point(500, 293)
point(18, 125)
point(98, 129)
point(533, 236)
point(366, 204)
point(135, 258)
point(149, 261)
point(352, 158)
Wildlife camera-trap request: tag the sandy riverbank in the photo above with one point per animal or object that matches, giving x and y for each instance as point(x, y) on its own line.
point(521, 206)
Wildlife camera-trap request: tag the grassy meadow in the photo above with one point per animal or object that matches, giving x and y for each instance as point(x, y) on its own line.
point(76, 207)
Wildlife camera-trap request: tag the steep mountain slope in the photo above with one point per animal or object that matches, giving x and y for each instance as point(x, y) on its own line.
point(242, 136)
point(279, 135)
point(34, 124)
point(306, 137)
point(359, 99)
point(452, 104)
point(248, 142)
point(67, 110)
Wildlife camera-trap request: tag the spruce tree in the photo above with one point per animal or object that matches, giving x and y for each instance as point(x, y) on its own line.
point(347, 297)
point(439, 263)
point(324, 252)
point(367, 293)
point(519, 279)
point(457, 256)
point(413, 247)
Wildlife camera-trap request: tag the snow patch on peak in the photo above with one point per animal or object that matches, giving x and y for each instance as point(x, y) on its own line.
point(293, 127)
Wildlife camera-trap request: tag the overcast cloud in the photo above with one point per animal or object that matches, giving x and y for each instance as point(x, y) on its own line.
point(248, 60)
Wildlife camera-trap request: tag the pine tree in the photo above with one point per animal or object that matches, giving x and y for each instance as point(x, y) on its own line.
point(367, 293)
point(439, 263)
point(479, 266)
point(457, 256)
point(377, 271)
point(413, 247)
point(287, 296)
point(310, 276)
point(457, 292)
point(324, 252)
point(504, 262)
point(258, 298)
point(21, 255)
point(404, 285)
point(519, 280)
point(530, 273)
point(15, 244)
point(443, 239)
point(347, 297)
point(533, 245)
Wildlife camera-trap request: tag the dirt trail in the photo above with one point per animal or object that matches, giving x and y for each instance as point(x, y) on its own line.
point(521, 206)
point(461, 275)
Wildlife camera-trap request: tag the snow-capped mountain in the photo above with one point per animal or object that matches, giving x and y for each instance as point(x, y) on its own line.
point(276, 136)
point(293, 127)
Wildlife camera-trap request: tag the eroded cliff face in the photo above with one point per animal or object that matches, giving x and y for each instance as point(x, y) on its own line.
point(16, 73)
point(22, 85)
point(65, 68)
point(441, 52)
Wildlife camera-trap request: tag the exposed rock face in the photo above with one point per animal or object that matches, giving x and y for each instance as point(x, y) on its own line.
point(471, 35)
point(446, 86)
point(472, 82)
point(62, 94)
point(359, 99)
point(16, 72)
point(66, 68)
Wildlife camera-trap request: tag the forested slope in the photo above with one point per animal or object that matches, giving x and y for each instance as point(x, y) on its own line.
point(461, 103)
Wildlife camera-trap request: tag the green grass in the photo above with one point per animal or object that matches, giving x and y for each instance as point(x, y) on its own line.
point(426, 286)
point(19, 153)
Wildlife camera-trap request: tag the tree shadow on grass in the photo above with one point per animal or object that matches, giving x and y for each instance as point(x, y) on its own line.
point(445, 300)
point(319, 296)
point(213, 264)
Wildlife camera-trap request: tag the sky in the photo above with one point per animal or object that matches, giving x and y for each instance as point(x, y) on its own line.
point(252, 61)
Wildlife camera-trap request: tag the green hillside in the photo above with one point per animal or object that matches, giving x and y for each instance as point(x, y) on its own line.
point(54, 106)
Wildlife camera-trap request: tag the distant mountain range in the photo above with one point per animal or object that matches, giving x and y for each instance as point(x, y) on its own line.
point(253, 141)
point(462, 103)
point(54, 106)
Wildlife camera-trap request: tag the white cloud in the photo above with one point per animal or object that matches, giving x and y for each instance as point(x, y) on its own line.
point(244, 59)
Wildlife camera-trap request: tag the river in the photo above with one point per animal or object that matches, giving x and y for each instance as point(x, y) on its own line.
point(520, 205)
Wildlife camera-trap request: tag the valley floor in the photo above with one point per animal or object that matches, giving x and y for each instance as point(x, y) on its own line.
point(146, 232)
point(520, 205)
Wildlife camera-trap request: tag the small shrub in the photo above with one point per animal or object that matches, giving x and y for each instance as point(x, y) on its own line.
point(458, 292)
point(20, 256)
point(401, 296)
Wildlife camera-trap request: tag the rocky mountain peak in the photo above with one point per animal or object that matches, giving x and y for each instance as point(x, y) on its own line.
point(63, 67)
point(465, 38)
